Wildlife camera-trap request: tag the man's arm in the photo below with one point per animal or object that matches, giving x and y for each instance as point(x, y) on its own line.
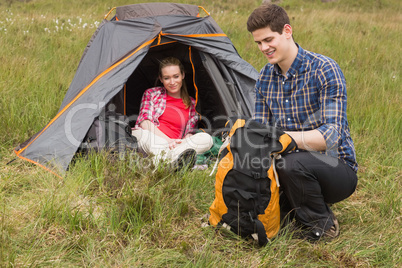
point(333, 113)
point(311, 140)
point(333, 105)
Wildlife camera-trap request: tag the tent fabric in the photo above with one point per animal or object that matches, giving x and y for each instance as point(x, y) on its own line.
point(114, 54)
point(155, 9)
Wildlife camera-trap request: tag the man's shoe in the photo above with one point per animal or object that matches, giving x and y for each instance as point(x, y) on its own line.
point(332, 232)
point(313, 235)
point(186, 158)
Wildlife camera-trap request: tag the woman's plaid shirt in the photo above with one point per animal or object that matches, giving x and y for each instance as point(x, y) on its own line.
point(153, 105)
point(312, 95)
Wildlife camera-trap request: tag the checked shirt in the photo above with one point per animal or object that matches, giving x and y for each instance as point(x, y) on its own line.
point(312, 95)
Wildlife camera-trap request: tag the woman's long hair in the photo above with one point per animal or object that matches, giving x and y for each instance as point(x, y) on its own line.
point(172, 61)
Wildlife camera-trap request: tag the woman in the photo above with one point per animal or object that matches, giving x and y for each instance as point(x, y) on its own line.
point(166, 123)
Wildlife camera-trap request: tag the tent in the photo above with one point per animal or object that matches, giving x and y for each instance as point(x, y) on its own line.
point(121, 61)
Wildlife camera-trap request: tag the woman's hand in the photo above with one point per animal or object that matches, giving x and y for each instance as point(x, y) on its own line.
point(173, 143)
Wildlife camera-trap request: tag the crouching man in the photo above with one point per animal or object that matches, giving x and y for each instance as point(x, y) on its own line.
point(304, 94)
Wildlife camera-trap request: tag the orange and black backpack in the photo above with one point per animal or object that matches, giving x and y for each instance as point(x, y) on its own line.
point(246, 183)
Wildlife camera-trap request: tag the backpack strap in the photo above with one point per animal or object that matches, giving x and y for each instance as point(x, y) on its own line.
point(288, 144)
point(239, 123)
point(261, 233)
point(260, 236)
point(223, 146)
point(275, 156)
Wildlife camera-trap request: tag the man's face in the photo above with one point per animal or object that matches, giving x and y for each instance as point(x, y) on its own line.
point(273, 44)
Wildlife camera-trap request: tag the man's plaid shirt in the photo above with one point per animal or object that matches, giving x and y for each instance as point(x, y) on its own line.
point(153, 105)
point(312, 95)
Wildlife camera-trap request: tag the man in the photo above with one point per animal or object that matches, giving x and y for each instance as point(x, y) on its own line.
point(304, 94)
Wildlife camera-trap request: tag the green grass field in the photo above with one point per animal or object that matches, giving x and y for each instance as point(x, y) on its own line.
point(106, 213)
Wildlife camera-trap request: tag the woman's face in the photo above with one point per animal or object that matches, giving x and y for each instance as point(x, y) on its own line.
point(172, 80)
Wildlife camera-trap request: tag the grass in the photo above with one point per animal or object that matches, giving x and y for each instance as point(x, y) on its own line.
point(120, 214)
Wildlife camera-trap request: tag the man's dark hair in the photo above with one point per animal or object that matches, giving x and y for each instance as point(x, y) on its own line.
point(268, 15)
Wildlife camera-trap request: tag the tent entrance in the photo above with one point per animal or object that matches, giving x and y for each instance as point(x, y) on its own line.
point(215, 102)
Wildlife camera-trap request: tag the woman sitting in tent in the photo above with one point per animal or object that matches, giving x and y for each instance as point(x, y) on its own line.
point(166, 123)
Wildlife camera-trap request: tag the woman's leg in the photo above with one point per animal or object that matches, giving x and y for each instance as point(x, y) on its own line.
point(200, 142)
point(150, 143)
point(153, 144)
point(185, 153)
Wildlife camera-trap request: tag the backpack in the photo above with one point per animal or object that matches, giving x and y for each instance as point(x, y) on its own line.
point(246, 184)
point(111, 132)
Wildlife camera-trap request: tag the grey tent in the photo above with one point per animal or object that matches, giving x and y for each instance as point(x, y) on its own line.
point(121, 61)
